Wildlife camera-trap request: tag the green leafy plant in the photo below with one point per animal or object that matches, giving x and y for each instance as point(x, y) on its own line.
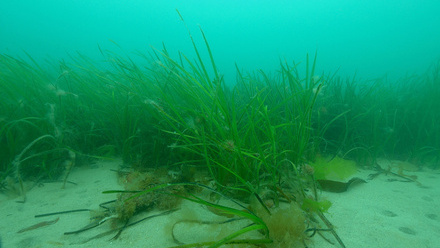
point(333, 168)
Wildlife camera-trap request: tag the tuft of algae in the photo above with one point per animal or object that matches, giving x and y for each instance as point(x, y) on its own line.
point(139, 181)
point(286, 224)
point(311, 205)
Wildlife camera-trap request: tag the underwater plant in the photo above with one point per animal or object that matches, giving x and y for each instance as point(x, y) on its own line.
point(333, 168)
point(250, 141)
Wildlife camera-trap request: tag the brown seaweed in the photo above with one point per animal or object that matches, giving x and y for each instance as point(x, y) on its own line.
point(336, 186)
point(38, 225)
point(87, 227)
point(120, 229)
point(62, 212)
point(399, 174)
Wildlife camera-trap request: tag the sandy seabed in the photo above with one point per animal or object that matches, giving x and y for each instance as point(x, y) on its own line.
point(385, 212)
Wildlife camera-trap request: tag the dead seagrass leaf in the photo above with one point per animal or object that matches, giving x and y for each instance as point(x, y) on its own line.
point(336, 186)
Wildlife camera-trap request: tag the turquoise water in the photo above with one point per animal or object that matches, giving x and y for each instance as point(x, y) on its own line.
point(369, 38)
point(75, 127)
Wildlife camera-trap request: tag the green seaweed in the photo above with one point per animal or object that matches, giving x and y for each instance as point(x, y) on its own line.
point(311, 205)
point(336, 169)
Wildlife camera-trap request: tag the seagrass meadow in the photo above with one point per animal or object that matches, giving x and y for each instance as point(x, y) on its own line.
point(257, 153)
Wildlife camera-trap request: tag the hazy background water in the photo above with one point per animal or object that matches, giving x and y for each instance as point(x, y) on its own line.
point(368, 37)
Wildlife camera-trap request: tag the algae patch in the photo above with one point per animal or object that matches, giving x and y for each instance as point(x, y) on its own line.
point(338, 169)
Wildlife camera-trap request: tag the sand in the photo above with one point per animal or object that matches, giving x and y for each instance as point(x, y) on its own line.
point(385, 212)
